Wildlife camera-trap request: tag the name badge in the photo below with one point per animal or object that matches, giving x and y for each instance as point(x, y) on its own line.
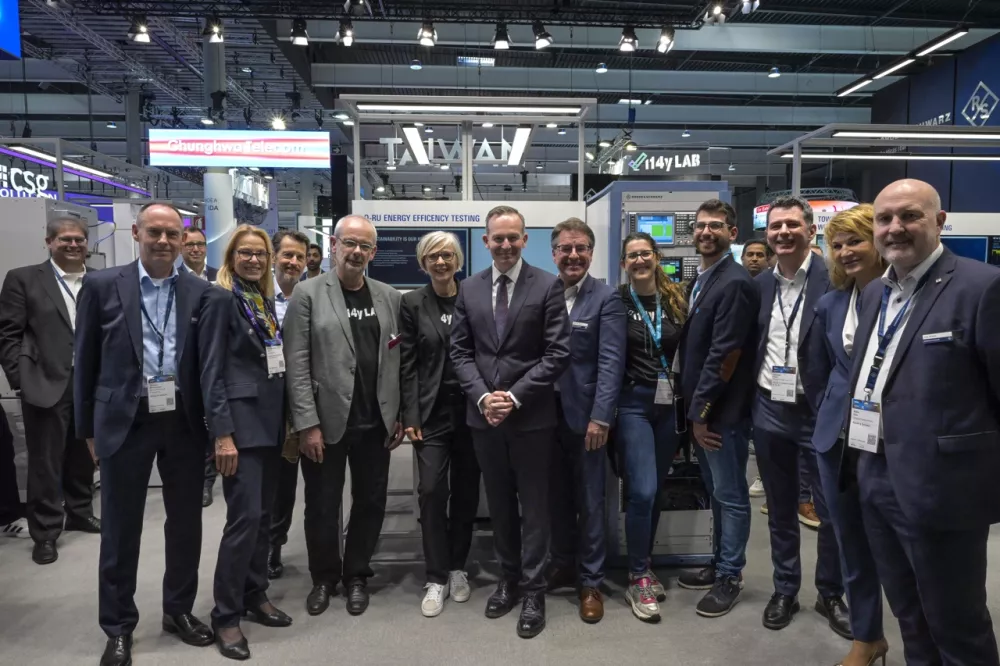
point(664, 391)
point(783, 385)
point(582, 325)
point(937, 338)
point(866, 418)
point(275, 357)
point(161, 393)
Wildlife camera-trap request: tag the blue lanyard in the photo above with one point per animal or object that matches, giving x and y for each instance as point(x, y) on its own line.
point(791, 320)
point(66, 288)
point(655, 332)
point(160, 334)
point(885, 335)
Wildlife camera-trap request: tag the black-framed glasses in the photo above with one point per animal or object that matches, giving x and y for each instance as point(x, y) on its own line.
point(569, 249)
point(445, 255)
point(641, 254)
point(714, 225)
point(71, 240)
point(353, 245)
point(259, 255)
point(196, 245)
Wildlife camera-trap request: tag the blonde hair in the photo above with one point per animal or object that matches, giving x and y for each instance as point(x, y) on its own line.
point(859, 220)
point(431, 240)
point(228, 268)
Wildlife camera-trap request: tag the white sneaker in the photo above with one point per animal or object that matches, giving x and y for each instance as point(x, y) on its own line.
point(458, 581)
point(433, 602)
point(17, 529)
point(757, 488)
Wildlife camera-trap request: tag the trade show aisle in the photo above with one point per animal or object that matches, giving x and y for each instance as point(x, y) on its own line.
point(48, 614)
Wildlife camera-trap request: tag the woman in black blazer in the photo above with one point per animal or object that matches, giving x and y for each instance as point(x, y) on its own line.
point(244, 393)
point(433, 407)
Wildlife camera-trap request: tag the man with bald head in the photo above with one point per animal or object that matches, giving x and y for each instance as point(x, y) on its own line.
point(342, 375)
point(924, 431)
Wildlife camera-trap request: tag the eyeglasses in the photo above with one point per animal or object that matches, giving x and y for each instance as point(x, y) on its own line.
point(259, 255)
point(353, 244)
point(714, 225)
point(196, 245)
point(71, 240)
point(445, 256)
point(568, 249)
point(641, 254)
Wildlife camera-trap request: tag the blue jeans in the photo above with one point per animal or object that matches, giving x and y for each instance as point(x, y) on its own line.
point(649, 444)
point(725, 475)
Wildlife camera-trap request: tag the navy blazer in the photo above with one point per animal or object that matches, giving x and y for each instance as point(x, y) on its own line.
point(941, 400)
point(241, 398)
point(588, 390)
point(108, 377)
point(830, 363)
point(529, 359)
point(211, 273)
point(716, 349)
point(817, 285)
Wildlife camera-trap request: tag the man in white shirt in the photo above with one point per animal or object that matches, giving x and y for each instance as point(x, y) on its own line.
point(924, 431)
point(784, 414)
point(37, 320)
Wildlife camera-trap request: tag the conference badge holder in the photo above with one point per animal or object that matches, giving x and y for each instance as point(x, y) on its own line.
point(275, 357)
point(866, 417)
point(783, 385)
point(664, 390)
point(161, 393)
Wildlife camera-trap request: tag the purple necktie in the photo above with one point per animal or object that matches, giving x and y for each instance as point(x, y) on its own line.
point(500, 311)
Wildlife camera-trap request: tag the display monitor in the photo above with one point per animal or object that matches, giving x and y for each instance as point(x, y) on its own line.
point(973, 247)
point(659, 226)
point(672, 267)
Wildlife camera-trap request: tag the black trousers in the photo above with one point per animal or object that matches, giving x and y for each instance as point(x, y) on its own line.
point(284, 501)
point(167, 438)
point(241, 571)
point(364, 449)
point(446, 466)
point(210, 471)
point(515, 467)
point(10, 499)
point(60, 469)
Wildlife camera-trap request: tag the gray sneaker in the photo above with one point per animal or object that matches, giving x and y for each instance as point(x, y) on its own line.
point(656, 586)
point(641, 598)
point(721, 598)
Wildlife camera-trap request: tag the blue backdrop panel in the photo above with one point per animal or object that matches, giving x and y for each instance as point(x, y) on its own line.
point(10, 30)
point(890, 106)
point(977, 103)
point(395, 261)
point(538, 251)
point(932, 99)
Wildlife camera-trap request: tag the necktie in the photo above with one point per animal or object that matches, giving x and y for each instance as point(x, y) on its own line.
point(500, 311)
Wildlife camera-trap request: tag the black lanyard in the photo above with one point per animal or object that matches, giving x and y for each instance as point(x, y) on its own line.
point(885, 335)
point(66, 288)
point(791, 320)
point(160, 334)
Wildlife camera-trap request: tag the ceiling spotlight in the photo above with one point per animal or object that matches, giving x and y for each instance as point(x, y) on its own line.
point(630, 146)
point(501, 40)
point(428, 130)
point(539, 166)
point(666, 41)
point(427, 188)
point(732, 167)
point(562, 131)
point(277, 123)
point(138, 30)
point(427, 35)
point(774, 73)
point(268, 176)
point(300, 37)
point(247, 70)
point(380, 188)
point(416, 65)
point(628, 42)
point(717, 9)
point(542, 36)
point(390, 167)
point(213, 30)
point(418, 124)
point(112, 125)
point(255, 169)
point(603, 143)
point(750, 6)
point(686, 134)
point(444, 167)
point(589, 155)
point(602, 68)
point(487, 125)
point(346, 32)
point(551, 125)
point(348, 123)
point(356, 5)
point(207, 120)
point(341, 116)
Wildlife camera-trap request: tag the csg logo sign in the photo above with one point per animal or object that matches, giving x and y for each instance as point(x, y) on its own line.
point(16, 183)
point(980, 106)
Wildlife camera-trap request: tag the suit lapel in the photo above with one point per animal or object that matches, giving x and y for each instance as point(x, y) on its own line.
point(386, 324)
point(817, 284)
point(521, 287)
point(52, 288)
point(713, 277)
point(340, 306)
point(866, 323)
point(430, 309)
point(579, 305)
point(128, 294)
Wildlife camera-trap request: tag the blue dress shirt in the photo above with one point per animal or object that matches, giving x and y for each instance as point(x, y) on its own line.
point(280, 303)
point(154, 294)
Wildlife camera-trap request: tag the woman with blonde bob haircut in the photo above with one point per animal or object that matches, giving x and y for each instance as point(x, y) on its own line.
point(854, 263)
point(433, 407)
point(243, 387)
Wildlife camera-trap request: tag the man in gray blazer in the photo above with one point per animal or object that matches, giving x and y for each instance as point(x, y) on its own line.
point(342, 377)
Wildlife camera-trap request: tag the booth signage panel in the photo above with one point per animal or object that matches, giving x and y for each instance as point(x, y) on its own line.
point(657, 163)
point(21, 183)
point(239, 148)
point(10, 30)
point(395, 261)
point(977, 87)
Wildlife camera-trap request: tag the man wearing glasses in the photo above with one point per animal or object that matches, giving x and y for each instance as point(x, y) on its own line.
point(344, 398)
point(193, 251)
point(38, 306)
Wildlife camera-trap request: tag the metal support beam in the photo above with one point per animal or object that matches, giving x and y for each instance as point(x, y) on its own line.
point(133, 128)
point(581, 161)
point(468, 173)
point(31, 51)
point(796, 168)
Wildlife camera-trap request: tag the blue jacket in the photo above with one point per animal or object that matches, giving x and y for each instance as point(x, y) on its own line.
point(830, 363)
point(589, 388)
point(941, 400)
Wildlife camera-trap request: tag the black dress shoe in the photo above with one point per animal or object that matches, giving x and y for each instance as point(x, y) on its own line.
point(90, 524)
point(779, 611)
point(276, 618)
point(319, 598)
point(357, 598)
point(274, 565)
point(532, 619)
point(703, 579)
point(239, 650)
point(206, 497)
point(118, 651)
point(502, 600)
point(835, 611)
point(44, 552)
point(189, 629)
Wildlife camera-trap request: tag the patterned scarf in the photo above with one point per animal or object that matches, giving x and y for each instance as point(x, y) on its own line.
point(253, 302)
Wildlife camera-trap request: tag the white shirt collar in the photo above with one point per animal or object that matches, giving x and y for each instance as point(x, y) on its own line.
point(144, 274)
point(575, 289)
point(513, 273)
point(63, 274)
point(889, 277)
point(800, 274)
point(204, 272)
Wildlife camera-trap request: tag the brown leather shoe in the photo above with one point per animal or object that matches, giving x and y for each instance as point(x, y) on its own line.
point(866, 654)
point(808, 516)
point(591, 605)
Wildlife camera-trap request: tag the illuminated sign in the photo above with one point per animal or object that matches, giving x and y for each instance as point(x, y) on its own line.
point(10, 30)
point(239, 148)
point(665, 163)
point(823, 212)
point(19, 183)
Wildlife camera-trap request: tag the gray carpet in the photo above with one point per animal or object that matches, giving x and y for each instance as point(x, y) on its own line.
point(48, 614)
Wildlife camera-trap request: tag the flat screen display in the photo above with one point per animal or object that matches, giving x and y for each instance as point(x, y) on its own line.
point(395, 263)
point(660, 227)
point(973, 247)
point(672, 267)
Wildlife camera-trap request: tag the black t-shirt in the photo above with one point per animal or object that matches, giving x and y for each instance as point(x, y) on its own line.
point(366, 331)
point(642, 358)
point(446, 304)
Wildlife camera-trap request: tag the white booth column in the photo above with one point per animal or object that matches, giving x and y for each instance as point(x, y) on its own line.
point(307, 206)
point(219, 217)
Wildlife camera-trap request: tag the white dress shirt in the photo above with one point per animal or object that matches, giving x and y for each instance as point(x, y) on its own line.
point(572, 292)
point(204, 271)
point(513, 273)
point(851, 322)
point(280, 303)
point(899, 292)
point(781, 311)
point(73, 281)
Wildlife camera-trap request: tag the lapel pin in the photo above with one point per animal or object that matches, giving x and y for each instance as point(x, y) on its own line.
point(938, 281)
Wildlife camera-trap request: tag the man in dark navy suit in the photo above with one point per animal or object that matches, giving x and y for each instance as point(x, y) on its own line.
point(509, 345)
point(924, 430)
point(588, 395)
point(784, 419)
point(137, 397)
point(717, 380)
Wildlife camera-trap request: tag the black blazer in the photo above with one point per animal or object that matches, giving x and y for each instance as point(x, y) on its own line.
point(36, 336)
point(423, 348)
point(241, 399)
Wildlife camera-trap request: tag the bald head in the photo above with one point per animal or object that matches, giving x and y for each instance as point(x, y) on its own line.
point(908, 223)
point(353, 246)
point(358, 223)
